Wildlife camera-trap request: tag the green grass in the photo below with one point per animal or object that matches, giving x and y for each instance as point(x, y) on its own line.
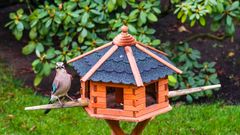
point(210, 119)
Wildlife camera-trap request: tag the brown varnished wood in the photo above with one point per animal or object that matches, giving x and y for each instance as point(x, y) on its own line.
point(133, 119)
point(115, 127)
point(134, 67)
point(115, 112)
point(152, 108)
point(140, 127)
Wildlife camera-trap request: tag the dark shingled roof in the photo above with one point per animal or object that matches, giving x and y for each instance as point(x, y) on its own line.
point(117, 69)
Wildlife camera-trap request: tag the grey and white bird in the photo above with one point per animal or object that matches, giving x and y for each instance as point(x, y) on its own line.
point(60, 85)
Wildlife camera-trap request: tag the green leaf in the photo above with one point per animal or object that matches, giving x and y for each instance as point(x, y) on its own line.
point(202, 21)
point(48, 23)
point(18, 34)
point(183, 19)
point(234, 6)
point(33, 23)
point(29, 48)
point(33, 33)
point(215, 26)
point(20, 11)
point(172, 81)
point(80, 39)
point(20, 26)
point(192, 23)
point(110, 6)
point(189, 98)
point(156, 10)
point(50, 53)
point(12, 16)
point(143, 17)
point(40, 47)
point(46, 69)
point(229, 20)
point(84, 33)
point(156, 42)
point(37, 80)
point(132, 29)
point(151, 17)
point(85, 18)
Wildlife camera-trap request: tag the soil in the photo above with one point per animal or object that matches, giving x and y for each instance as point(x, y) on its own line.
point(225, 53)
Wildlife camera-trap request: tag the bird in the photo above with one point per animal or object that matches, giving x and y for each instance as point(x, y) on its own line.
point(60, 86)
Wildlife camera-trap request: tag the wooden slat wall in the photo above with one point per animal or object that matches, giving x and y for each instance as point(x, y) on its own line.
point(98, 94)
point(162, 90)
point(162, 99)
point(134, 99)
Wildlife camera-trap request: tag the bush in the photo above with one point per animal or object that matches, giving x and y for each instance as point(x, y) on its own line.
point(61, 30)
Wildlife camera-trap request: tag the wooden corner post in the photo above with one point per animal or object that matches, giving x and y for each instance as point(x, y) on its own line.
point(83, 89)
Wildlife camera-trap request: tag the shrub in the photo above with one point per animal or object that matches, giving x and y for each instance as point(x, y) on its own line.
point(61, 30)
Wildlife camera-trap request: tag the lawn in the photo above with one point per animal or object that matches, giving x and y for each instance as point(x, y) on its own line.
point(211, 119)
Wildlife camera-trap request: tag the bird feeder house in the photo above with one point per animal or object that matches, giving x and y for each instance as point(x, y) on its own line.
point(125, 80)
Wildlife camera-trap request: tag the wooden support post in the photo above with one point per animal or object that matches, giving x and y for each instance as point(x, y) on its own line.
point(115, 127)
point(140, 127)
point(83, 88)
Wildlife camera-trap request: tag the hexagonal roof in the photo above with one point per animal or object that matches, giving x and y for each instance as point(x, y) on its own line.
point(123, 61)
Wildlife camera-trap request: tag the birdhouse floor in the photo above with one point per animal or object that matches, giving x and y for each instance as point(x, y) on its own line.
point(132, 119)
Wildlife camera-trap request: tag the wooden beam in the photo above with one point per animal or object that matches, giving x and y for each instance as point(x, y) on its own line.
point(115, 127)
point(99, 63)
point(149, 47)
point(85, 54)
point(158, 58)
point(69, 104)
point(83, 88)
point(134, 67)
point(191, 90)
point(140, 127)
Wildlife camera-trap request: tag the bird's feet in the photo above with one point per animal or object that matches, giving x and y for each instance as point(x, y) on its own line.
point(71, 98)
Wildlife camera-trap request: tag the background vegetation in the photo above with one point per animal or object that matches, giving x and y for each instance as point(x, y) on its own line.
point(61, 30)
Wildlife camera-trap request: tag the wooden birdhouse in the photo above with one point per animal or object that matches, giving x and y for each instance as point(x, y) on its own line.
point(125, 80)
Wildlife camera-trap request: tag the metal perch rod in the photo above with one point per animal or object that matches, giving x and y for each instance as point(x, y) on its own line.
point(191, 90)
point(57, 106)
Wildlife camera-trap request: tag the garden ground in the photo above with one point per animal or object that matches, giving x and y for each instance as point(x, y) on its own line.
point(213, 118)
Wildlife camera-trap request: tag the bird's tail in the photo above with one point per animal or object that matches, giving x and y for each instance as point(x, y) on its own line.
point(48, 110)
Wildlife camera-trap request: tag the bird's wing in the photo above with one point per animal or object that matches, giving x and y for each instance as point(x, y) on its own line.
point(55, 85)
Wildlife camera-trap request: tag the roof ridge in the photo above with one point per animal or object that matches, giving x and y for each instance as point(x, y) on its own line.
point(133, 65)
point(99, 63)
point(153, 49)
point(158, 58)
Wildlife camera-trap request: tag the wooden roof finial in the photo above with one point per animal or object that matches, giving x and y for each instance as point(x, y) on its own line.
point(124, 39)
point(124, 29)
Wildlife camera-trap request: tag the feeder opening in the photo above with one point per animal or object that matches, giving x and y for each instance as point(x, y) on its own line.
point(114, 97)
point(151, 94)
